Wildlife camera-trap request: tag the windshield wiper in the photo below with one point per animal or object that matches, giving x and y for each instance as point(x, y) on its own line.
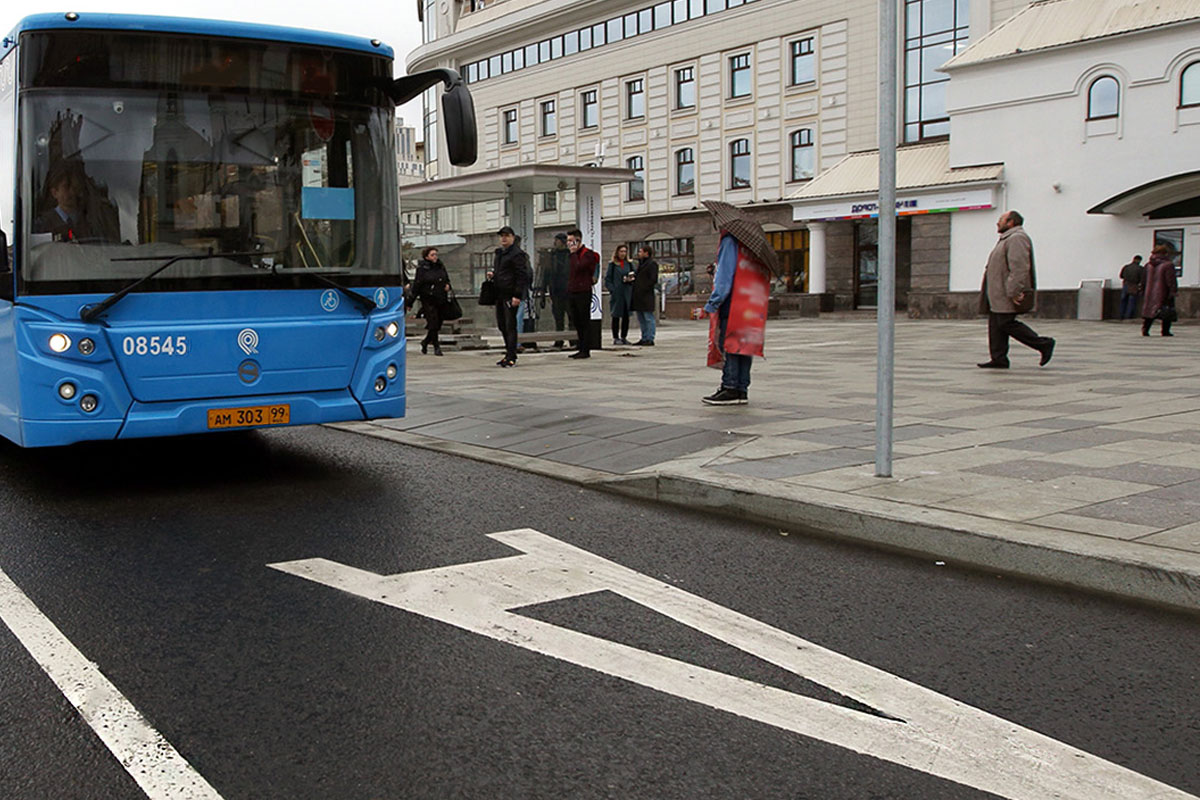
point(363, 302)
point(89, 313)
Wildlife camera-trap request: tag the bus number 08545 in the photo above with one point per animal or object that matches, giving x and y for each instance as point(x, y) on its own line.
point(154, 345)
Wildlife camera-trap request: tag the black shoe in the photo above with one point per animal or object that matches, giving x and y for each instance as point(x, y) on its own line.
point(500, 363)
point(424, 348)
point(1047, 352)
point(743, 398)
point(724, 397)
point(1168, 334)
point(580, 354)
point(993, 365)
point(643, 344)
point(437, 349)
point(507, 362)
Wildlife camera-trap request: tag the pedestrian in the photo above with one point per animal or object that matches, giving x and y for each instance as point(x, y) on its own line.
point(510, 274)
point(737, 307)
point(644, 282)
point(1009, 285)
point(584, 272)
point(1133, 279)
point(526, 314)
point(1161, 286)
point(554, 282)
point(618, 279)
point(432, 287)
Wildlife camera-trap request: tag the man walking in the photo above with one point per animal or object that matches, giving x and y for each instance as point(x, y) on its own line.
point(645, 279)
point(585, 271)
point(1133, 280)
point(1008, 290)
point(510, 273)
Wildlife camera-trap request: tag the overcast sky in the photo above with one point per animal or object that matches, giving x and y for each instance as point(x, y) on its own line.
point(395, 22)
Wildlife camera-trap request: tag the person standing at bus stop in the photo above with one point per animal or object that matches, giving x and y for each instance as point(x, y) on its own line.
point(510, 274)
point(585, 271)
point(432, 288)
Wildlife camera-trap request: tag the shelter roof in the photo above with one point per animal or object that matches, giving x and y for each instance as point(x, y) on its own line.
point(917, 166)
point(497, 184)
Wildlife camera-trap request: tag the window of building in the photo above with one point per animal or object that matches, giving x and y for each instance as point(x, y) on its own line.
point(685, 171)
point(431, 125)
point(1189, 85)
point(590, 116)
point(1172, 238)
point(676, 260)
point(1104, 98)
point(739, 164)
point(506, 62)
point(549, 118)
point(713, 6)
point(662, 15)
point(599, 37)
point(791, 248)
point(739, 75)
point(550, 201)
point(531, 54)
point(613, 30)
point(685, 87)
point(679, 11)
point(635, 99)
point(804, 62)
point(646, 20)
point(934, 31)
point(428, 21)
point(510, 126)
point(571, 43)
point(494, 66)
point(585, 39)
point(637, 186)
point(803, 155)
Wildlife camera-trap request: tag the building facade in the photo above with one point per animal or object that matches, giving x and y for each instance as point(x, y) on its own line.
point(745, 101)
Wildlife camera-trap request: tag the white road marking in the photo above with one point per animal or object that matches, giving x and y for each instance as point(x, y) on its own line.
point(929, 732)
point(148, 757)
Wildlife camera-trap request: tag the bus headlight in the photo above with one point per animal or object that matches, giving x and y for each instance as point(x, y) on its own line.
point(87, 347)
point(88, 403)
point(380, 384)
point(393, 329)
point(66, 390)
point(59, 342)
point(379, 334)
point(391, 372)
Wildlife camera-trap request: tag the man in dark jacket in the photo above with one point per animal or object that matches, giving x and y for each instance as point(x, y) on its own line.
point(1133, 279)
point(585, 271)
point(645, 279)
point(554, 281)
point(510, 274)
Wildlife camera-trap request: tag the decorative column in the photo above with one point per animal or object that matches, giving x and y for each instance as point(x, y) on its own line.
point(816, 257)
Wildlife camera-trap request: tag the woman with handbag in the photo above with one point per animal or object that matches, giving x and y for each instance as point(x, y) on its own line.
point(432, 287)
point(1161, 286)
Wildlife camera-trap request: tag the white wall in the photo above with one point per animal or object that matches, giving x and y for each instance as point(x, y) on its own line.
point(1028, 112)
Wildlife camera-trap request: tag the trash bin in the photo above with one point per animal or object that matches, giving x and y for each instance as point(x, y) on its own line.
point(1091, 299)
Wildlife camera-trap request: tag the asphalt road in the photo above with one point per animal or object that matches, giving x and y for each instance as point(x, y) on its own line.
point(152, 559)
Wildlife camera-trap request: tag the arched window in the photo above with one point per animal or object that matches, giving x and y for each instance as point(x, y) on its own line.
point(685, 171)
point(1104, 98)
point(637, 186)
point(1189, 85)
point(739, 164)
point(803, 160)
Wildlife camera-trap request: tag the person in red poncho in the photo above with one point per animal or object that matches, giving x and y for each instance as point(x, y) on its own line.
point(737, 307)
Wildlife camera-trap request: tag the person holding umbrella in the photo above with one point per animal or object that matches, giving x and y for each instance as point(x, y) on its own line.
point(737, 308)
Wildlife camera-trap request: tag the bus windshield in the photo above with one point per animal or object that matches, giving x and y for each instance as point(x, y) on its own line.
point(234, 148)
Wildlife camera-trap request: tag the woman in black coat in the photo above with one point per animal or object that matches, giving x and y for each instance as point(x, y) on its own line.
point(432, 288)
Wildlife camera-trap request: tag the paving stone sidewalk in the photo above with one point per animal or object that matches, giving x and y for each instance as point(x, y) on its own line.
point(1104, 441)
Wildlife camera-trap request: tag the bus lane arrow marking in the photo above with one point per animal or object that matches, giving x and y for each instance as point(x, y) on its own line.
point(922, 730)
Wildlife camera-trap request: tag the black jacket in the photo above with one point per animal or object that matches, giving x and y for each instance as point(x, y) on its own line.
point(430, 284)
point(510, 273)
point(556, 271)
point(645, 280)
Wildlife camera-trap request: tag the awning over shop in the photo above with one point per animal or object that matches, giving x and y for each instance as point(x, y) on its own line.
point(925, 183)
point(1150, 197)
point(497, 184)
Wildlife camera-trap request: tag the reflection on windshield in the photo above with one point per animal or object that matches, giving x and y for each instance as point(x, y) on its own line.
point(150, 174)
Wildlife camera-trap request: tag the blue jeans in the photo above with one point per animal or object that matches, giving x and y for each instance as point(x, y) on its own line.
point(1128, 305)
point(736, 372)
point(647, 324)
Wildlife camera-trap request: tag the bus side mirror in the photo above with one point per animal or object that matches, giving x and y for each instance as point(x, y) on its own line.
point(458, 110)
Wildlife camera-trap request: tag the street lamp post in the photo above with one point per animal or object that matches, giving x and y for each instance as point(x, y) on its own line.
point(885, 309)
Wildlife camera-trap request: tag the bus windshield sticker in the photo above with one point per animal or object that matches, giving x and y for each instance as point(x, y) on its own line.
point(326, 203)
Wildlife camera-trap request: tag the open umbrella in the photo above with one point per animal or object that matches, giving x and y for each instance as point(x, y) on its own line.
point(749, 233)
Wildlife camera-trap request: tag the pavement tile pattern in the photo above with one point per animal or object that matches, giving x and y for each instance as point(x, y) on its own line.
point(1105, 440)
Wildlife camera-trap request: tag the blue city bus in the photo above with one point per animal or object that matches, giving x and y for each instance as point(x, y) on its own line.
point(200, 226)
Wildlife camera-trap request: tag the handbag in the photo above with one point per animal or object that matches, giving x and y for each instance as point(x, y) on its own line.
point(487, 293)
point(1167, 313)
point(452, 310)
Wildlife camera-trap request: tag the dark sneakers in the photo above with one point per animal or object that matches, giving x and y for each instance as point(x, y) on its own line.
point(726, 397)
point(1047, 352)
point(643, 344)
point(993, 365)
point(580, 354)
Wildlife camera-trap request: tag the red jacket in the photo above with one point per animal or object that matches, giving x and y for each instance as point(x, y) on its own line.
point(585, 269)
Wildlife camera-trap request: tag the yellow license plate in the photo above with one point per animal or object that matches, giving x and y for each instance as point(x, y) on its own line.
point(249, 416)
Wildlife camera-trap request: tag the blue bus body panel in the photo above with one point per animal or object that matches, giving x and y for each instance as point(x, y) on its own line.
point(163, 360)
point(10, 386)
point(87, 20)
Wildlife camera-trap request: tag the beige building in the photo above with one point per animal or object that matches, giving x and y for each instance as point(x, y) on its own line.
point(745, 101)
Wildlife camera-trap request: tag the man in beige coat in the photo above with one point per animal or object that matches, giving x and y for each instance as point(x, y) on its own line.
point(1008, 290)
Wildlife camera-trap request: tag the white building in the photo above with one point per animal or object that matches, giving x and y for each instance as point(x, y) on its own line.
point(1093, 108)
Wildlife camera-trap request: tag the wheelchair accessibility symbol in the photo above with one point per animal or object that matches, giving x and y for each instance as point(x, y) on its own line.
point(381, 297)
point(330, 300)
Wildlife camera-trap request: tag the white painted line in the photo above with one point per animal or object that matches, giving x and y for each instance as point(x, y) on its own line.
point(926, 731)
point(148, 757)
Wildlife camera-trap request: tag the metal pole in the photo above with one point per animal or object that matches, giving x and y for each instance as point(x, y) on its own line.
point(885, 312)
